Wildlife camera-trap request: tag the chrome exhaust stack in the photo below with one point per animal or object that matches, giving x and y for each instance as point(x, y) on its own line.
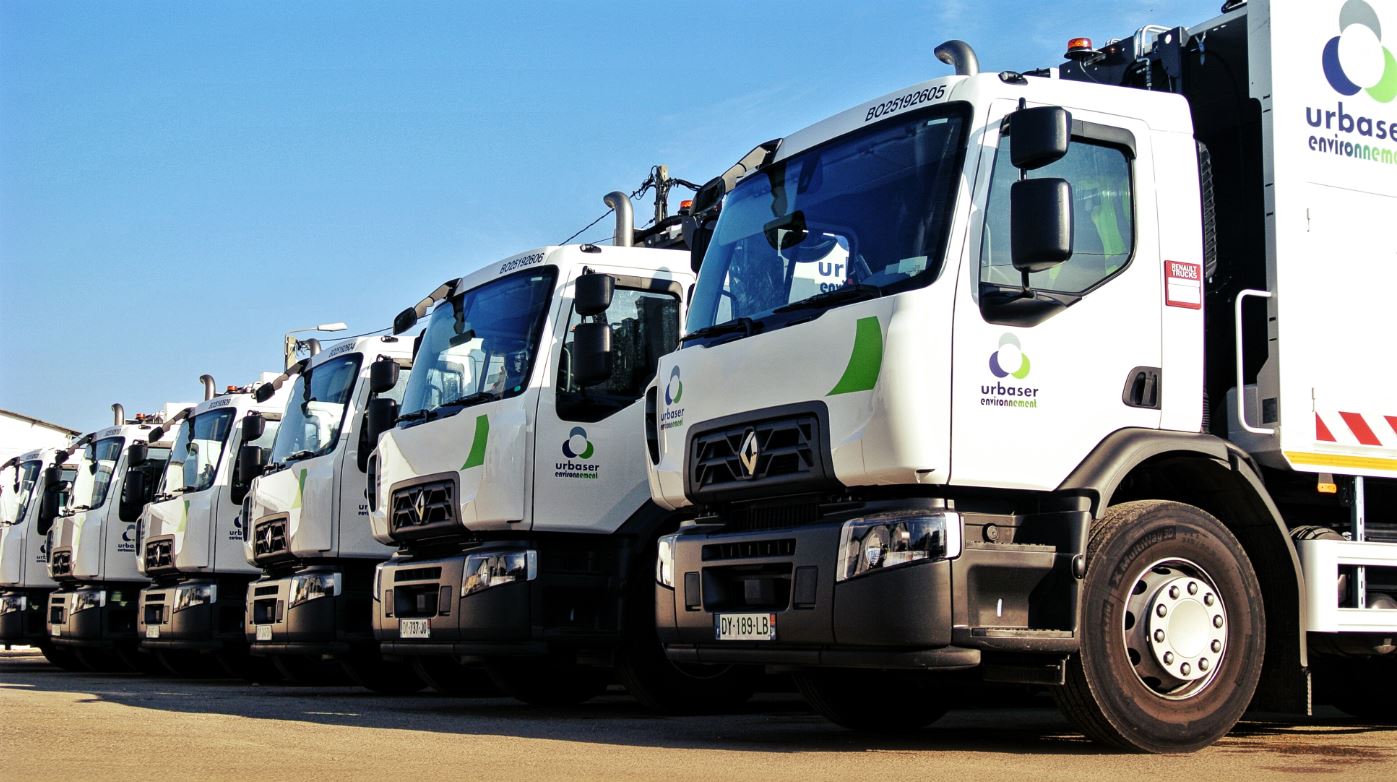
point(207, 380)
point(958, 54)
point(118, 414)
point(620, 203)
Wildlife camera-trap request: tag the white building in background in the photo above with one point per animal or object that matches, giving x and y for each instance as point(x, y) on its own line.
point(20, 433)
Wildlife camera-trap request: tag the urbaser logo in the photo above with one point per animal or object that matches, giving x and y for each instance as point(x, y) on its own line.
point(1356, 60)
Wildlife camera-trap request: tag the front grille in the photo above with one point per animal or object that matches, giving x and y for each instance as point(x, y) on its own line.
point(61, 563)
point(159, 554)
point(750, 549)
point(423, 506)
point(269, 539)
point(758, 458)
point(416, 574)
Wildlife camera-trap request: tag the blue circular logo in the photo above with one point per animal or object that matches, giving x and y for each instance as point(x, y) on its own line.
point(674, 389)
point(577, 446)
point(1356, 60)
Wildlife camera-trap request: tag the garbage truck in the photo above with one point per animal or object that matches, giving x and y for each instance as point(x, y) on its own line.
point(92, 546)
point(511, 476)
point(34, 488)
point(189, 538)
point(1096, 404)
point(306, 522)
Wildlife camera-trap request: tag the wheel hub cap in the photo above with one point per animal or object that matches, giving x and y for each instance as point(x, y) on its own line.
point(1175, 628)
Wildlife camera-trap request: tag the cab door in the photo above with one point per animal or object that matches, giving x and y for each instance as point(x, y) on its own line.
point(589, 455)
point(1036, 387)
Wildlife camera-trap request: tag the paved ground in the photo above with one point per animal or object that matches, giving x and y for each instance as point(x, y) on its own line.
point(56, 725)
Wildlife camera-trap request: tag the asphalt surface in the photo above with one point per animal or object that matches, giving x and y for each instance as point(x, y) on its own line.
point(59, 725)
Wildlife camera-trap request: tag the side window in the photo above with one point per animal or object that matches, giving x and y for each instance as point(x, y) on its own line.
point(1103, 223)
point(644, 327)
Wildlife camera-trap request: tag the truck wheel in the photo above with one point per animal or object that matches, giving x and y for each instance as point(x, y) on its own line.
point(372, 672)
point(309, 671)
point(673, 688)
point(63, 658)
point(449, 677)
point(1173, 630)
point(544, 682)
point(872, 701)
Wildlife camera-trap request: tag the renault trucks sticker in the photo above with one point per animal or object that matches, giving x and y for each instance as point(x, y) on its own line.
point(1357, 66)
point(674, 391)
point(1007, 364)
point(1183, 285)
point(578, 447)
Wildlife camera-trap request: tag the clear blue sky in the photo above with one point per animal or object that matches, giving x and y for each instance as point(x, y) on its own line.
point(181, 182)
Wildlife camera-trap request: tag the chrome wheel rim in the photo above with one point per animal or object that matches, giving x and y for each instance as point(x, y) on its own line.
point(1174, 628)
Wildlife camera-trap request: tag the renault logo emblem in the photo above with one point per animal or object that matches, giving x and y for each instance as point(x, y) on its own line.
point(748, 453)
point(420, 506)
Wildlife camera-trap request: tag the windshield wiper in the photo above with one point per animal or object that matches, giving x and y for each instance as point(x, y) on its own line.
point(744, 324)
point(856, 292)
point(470, 399)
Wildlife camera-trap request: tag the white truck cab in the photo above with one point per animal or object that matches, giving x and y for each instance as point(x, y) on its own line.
point(513, 477)
point(1088, 407)
point(34, 492)
point(92, 546)
point(307, 518)
point(189, 539)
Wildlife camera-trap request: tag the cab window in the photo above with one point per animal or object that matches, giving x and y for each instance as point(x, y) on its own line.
point(644, 327)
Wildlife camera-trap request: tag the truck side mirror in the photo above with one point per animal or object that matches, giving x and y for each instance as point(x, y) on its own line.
point(591, 353)
point(698, 225)
point(382, 414)
point(50, 506)
point(1040, 223)
point(251, 463)
point(404, 320)
point(133, 495)
point(592, 294)
point(137, 454)
point(1039, 136)
point(264, 392)
point(383, 375)
point(253, 426)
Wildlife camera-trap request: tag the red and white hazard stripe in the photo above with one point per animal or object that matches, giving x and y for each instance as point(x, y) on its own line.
point(1345, 428)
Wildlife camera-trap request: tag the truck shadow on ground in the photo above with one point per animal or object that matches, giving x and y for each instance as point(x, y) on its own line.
point(772, 722)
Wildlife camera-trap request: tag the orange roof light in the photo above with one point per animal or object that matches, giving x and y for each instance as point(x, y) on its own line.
point(1079, 49)
point(686, 203)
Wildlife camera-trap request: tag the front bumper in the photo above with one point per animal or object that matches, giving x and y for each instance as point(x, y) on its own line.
point(109, 623)
point(947, 614)
point(204, 627)
point(333, 624)
point(26, 625)
point(572, 604)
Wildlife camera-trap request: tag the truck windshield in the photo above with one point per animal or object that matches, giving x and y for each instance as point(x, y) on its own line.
point(15, 499)
point(479, 345)
point(197, 450)
point(858, 217)
point(94, 474)
point(316, 409)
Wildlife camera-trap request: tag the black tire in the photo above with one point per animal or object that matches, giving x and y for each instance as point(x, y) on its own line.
point(1138, 554)
point(449, 677)
point(370, 671)
point(307, 671)
point(871, 701)
point(675, 688)
point(63, 658)
point(545, 682)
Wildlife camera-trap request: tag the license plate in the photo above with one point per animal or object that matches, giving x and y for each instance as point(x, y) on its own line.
point(414, 628)
point(744, 627)
point(55, 631)
point(152, 631)
point(264, 632)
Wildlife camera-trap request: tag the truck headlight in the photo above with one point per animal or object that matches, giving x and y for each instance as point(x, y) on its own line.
point(494, 568)
point(10, 604)
point(88, 598)
point(888, 540)
point(194, 595)
point(664, 563)
point(309, 586)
